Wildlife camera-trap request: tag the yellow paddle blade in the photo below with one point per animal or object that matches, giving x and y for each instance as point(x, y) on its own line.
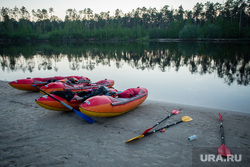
point(137, 137)
point(186, 119)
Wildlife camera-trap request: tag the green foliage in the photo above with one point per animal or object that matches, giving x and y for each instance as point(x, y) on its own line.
point(190, 31)
point(174, 29)
point(230, 29)
point(213, 31)
point(207, 20)
point(246, 32)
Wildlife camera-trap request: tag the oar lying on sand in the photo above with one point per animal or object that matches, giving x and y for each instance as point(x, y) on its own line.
point(223, 150)
point(83, 116)
point(174, 112)
point(184, 119)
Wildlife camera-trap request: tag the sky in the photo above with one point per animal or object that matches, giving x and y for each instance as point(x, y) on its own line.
point(60, 6)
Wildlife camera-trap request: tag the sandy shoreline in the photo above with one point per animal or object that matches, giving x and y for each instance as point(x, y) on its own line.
point(33, 136)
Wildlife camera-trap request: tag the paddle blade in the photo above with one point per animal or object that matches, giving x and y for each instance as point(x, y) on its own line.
point(175, 112)
point(147, 130)
point(220, 116)
point(134, 138)
point(224, 151)
point(85, 117)
point(186, 119)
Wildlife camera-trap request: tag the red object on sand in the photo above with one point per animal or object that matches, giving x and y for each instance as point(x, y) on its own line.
point(223, 150)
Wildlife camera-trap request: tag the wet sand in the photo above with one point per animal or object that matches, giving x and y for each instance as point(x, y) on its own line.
point(33, 136)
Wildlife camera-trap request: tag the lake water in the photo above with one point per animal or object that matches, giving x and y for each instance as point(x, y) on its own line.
point(214, 75)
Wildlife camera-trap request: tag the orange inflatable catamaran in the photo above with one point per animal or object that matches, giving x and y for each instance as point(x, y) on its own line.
point(102, 102)
point(26, 84)
point(62, 86)
point(107, 106)
point(73, 99)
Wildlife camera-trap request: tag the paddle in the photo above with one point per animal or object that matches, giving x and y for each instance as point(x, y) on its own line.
point(223, 150)
point(83, 116)
point(183, 119)
point(174, 112)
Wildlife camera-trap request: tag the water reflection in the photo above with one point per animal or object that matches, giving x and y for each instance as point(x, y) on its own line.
point(226, 60)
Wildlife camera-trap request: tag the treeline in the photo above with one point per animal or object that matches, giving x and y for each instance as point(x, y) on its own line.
point(209, 20)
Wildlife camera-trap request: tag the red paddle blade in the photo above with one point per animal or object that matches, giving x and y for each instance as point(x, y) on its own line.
point(175, 112)
point(147, 130)
point(220, 116)
point(224, 151)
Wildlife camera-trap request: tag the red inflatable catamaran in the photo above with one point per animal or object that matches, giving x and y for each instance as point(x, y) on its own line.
point(26, 84)
point(76, 87)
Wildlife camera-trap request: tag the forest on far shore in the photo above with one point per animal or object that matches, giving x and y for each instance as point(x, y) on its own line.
point(230, 20)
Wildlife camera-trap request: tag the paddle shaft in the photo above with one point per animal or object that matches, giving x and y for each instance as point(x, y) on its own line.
point(85, 117)
point(162, 120)
point(222, 132)
point(223, 150)
point(64, 104)
point(167, 126)
point(147, 130)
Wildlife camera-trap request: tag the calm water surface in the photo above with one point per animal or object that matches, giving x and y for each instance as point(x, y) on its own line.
point(214, 75)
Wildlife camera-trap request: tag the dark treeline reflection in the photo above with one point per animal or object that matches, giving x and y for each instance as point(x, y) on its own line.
point(229, 61)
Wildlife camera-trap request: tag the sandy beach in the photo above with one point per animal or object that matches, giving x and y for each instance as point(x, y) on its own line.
point(33, 136)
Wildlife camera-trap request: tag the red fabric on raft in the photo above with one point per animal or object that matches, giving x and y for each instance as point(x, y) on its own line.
point(129, 93)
